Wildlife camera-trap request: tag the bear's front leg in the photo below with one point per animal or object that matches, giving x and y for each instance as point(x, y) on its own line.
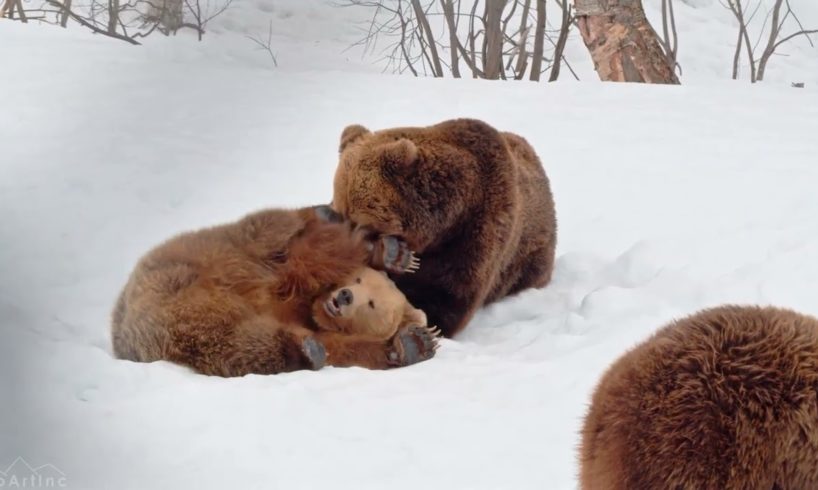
point(387, 252)
point(411, 344)
point(392, 254)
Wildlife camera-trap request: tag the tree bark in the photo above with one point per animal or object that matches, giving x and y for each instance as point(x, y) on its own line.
point(623, 45)
point(539, 42)
point(493, 62)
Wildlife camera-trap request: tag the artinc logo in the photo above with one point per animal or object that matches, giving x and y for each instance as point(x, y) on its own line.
point(20, 474)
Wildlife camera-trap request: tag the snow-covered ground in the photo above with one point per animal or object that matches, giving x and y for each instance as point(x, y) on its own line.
point(669, 199)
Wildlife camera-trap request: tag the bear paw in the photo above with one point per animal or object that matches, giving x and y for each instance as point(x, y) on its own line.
point(412, 344)
point(393, 254)
point(314, 352)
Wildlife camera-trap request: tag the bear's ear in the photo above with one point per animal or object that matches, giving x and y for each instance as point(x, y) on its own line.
point(398, 156)
point(350, 134)
point(414, 315)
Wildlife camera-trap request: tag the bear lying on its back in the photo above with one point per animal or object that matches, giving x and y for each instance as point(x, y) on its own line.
point(276, 291)
point(726, 399)
point(473, 202)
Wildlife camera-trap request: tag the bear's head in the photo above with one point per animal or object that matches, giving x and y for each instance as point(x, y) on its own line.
point(368, 303)
point(414, 183)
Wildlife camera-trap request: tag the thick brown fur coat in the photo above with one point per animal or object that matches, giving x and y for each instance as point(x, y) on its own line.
point(726, 399)
point(240, 298)
point(475, 203)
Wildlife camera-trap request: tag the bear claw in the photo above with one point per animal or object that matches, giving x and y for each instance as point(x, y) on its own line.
point(315, 353)
point(396, 256)
point(412, 344)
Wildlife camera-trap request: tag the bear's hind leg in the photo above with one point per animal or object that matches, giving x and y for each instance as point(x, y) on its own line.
point(255, 345)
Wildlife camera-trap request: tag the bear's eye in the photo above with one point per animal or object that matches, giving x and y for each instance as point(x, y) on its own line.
point(371, 304)
point(358, 280)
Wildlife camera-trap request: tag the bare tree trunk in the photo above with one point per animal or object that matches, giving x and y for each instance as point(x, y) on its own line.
point(467, 57)
point(762, 64)
point(522, 54)
point(10, 6)
point(473, 39)
point(22, 12)
point(737, 54)
point(430, 38)
point(670, 39)
point(64, 13)
point(775, 29)
point(448, 13)
point(559, 49)
point(493, 62)
point(113, 15)
point(743, 37)
point(622, 43)
point(750, 54)
point(539, 41)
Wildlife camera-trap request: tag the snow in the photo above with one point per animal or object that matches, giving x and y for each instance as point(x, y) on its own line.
point(669, 199)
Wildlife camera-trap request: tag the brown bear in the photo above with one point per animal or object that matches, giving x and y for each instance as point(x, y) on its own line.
point(724, 399)
point(473, 202)
point(276, 291)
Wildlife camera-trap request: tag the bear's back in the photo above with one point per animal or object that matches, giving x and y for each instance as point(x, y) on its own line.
point(723, 399)
point(233, 262)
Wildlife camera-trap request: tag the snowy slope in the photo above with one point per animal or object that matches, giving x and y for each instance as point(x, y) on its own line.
point(669, 199)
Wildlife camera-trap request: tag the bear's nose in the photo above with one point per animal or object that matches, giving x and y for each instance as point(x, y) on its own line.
point(344, 297)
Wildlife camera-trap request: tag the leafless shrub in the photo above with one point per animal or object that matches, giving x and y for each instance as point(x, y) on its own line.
point(126, 20)
point(10, 7)
point(670, 38)
point(202, 12)
point(775, 37)
point(166, 15)
point(491, 37)
point(266, 44)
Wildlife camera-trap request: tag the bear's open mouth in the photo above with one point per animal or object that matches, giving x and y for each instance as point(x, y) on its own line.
point(332, 308)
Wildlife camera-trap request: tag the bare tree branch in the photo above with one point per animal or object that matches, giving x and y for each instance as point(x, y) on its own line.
point(266, 45)
point(94, 28)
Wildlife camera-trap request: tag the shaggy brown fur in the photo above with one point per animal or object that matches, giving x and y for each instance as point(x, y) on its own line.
point(724, 399)
point(473, 202)
point(256, 296)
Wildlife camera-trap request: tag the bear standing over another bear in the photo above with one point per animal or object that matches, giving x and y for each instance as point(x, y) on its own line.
point(726, 399)
point(473, 202)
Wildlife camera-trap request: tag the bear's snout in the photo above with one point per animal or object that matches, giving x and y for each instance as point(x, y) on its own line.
point(344, 297)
